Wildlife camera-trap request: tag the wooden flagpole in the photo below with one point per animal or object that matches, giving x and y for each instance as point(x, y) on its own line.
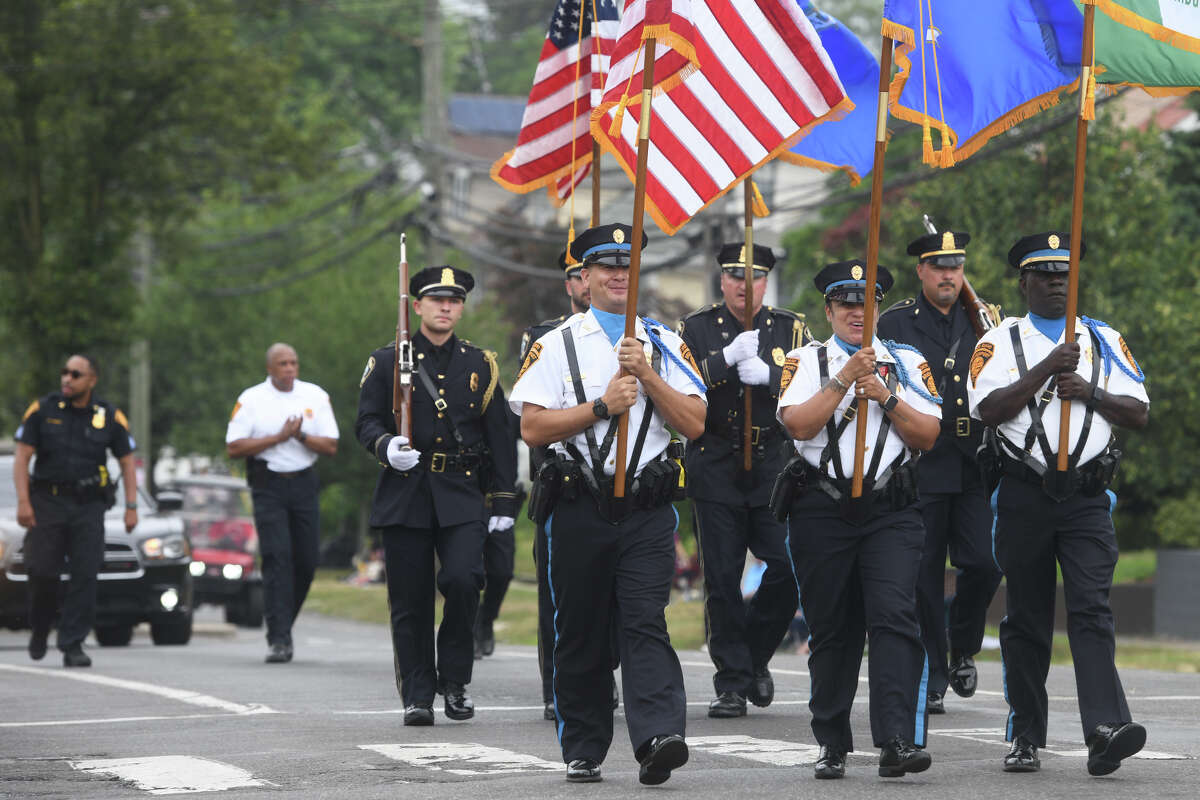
point(1081, 129)
point(635, 248)
point(748, 315)
point(595, 182)
point(885, 77)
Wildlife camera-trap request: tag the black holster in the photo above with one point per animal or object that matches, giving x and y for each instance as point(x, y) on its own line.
point(675, 452)
point(557, 478)
point(1098, 474)
point(256, 472)
point(789, 486)
point(657, 483)
point(990, 458)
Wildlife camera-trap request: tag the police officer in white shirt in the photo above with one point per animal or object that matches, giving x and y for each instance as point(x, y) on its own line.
point(280, 426)
point(1020, 373)
point(856, 559)
point(574, 382)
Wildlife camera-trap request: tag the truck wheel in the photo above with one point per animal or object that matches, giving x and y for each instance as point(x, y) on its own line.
point(113, 635)
point(177, 630)
point(252, 606)
point(235, 611)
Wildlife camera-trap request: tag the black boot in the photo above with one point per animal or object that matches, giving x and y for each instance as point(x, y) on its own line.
point(662, 754)
point(75, 657)
point(583, 770)
point(935, 703)
point(964, 678)
point(762, 688)
point(1022, 756)
point(831, 763)
point(418, 714)
point(458, 703)
point(727, 705)
point(898, 757)
point(37, 644)
point(1110, 742)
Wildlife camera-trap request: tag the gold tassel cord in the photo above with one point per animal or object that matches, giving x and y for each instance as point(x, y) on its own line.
point(759, 205)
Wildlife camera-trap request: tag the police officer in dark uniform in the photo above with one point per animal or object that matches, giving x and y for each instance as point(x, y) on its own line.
point(954, 501)
point(601, 549)
point(63, 506)
point(856, 559)
point(731, 504)
point(577, 290)
point(430, 498)
point(1021, 373)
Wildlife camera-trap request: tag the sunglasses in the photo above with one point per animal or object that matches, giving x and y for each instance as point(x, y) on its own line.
point(74, 373)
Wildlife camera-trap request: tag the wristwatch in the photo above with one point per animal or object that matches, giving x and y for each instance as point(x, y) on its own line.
point(301, 436)
point(599, 408)
point(131, 506)
point(891, 402)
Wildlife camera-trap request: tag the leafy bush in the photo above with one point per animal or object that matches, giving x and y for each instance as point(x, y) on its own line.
point(1178, 521)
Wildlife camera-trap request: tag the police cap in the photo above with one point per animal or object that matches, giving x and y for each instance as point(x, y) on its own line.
point(1044, 252)
point(732, 256)
point(945, 249)
point(443, 281)
point(604, 244)
point(845, 281)
point(568, 269)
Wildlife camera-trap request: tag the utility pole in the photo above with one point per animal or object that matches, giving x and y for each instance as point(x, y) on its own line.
point(433, 118)
point(139, 358)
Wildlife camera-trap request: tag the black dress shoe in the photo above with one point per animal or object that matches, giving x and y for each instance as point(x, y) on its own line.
point(616, 694)
point(762, 688)
point(75, 657)
point(548, 712)
point(288, 652)
point(663, 754)
point(830, 764)
point(278, 654)
point(1110, 742)
point(37, 645)
point(964, 678)
point(898, 757)
point(418, 714)
point(487, 639)
point(727, 705)
point(458, 703)
point(935, 703)
point(583, 770)
point(1022, 756)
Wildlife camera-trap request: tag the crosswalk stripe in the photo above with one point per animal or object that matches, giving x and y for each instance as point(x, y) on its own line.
point(172, 774)
point(767, 751)
point(994, 736)
point(483, 760)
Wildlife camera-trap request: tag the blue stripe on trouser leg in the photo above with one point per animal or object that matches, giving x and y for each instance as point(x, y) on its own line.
point(922, 698)
point(553, 602)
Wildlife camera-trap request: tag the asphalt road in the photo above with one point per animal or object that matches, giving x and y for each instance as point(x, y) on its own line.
point(212, 716)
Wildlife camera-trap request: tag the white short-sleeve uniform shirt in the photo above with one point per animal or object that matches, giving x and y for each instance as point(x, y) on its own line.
point(806, 382)
point(262, 410)
point(994, 366)
point(545, 380)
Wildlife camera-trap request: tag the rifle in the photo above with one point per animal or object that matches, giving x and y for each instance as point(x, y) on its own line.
point(402, 368)
point(983, 316)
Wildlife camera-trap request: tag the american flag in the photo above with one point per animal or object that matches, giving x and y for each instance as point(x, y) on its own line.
point(567, 85)
point(737, 83)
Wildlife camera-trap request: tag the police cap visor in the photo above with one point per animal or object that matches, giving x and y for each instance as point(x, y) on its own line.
point(947, 260)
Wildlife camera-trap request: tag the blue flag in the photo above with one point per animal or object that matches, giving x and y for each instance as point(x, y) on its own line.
point(848, 143)
point(983, 66)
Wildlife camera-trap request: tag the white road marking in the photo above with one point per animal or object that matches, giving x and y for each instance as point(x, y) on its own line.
point(103, 721)
point(1149, 755)
point(994, 736)
point(767, 751)
point(182, 695)
point(484, 760)
point(173, 774)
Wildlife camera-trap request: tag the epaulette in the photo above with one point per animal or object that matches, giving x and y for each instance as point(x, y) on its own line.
point(552, 323)
point(491, 358)
point(905, 303)
point(699, 311)
point(786, 312)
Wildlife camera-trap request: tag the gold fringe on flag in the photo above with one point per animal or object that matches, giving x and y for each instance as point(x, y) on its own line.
point(1118, 13)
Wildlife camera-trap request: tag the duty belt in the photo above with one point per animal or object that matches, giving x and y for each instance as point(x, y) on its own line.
point(71, 489)
point(450, 462)
point(300, 473)
point(962, 427)
point(760, 436)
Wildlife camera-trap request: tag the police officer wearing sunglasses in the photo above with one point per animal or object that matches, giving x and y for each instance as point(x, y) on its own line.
point(63, 506)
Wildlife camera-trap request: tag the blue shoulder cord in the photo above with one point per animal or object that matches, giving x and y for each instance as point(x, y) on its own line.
point(658, 342)
point(1107, 353)
point(903, 373)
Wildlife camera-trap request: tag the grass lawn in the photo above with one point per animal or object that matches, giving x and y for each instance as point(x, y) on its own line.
point(685, 620)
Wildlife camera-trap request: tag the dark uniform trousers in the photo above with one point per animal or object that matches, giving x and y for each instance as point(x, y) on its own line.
point(545, 641)
point(856, 583)
point(743, 637)
point(408, 555)
point(287, 515)
point(960, 522)
point(499, 550)
point(1032, 532)
point(72, 530)
point(592, 563)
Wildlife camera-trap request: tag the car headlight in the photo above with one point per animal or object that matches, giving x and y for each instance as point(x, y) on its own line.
point(232, 572)
point(161, 548)
point(197, 568)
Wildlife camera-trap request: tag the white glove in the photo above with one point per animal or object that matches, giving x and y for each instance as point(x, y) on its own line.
point(500, 523)
point(754, 372)
point(401, 459)
point(743, 346)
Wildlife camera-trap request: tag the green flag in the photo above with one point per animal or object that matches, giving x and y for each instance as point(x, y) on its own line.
point(1154, 44)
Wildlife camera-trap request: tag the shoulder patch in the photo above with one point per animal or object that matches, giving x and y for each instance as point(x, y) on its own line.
point(531, 358)
point(905, 303)
point(789, 371)
point(927, 379)
point(1125, 351)
point(236, 408)
point(35, 405)
point(983, 354)
point(367, 370)
point(119, 416)
point(686, 352)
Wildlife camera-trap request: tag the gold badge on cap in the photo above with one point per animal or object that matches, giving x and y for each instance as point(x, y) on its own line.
point(947, 241)
point(778, 357)
point(474, 381)
point(448, 276)
point(742, 256)
point(1054, 241)
point(619, 236)
point(856, 272)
